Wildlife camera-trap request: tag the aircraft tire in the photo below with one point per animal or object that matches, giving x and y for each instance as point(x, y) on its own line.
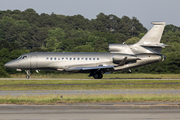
point(98, 76)
point(27, 76)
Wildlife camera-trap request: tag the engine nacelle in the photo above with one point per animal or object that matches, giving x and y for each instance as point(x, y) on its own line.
point(117, 58)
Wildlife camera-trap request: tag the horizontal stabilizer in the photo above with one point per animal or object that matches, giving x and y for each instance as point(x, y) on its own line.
point(88, 68)
point(166, 46)
point(160, 45)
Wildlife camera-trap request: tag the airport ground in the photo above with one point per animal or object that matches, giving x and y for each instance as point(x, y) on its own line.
point(105, 76)
point(81, 98)
point(99, 111)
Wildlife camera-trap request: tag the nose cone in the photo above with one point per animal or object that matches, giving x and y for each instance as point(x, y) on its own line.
point(12, 64)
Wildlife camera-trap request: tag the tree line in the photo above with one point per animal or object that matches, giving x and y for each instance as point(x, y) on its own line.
point(28, 31)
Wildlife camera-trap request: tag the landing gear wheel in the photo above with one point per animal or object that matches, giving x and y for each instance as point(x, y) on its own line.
point(28, 73)
point(98, 76)
point(27, 76)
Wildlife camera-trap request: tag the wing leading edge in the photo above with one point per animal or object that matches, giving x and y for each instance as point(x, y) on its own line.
point(88, 68)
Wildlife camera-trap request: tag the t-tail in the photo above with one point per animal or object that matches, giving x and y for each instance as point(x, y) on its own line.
point(153, 37)
point(147, 50)
point(150, 42)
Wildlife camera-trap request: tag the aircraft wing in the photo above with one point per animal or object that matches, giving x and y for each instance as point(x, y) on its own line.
point(88, 68)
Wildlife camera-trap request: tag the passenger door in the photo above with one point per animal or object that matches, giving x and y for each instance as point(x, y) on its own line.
point(34, 61)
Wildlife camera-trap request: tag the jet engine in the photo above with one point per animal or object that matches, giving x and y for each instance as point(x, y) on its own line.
point(119, 58)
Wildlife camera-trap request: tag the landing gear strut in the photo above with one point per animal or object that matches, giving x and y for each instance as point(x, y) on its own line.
point(28, 73)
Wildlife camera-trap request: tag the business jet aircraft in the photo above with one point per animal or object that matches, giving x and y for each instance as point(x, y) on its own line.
point(121, 57)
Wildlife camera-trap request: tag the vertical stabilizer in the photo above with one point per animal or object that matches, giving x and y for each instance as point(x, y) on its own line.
point(153, 36)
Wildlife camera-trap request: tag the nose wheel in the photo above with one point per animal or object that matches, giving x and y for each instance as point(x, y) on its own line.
point(28, 74)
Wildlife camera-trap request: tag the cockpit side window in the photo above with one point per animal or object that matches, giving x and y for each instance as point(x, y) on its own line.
point(24, 57)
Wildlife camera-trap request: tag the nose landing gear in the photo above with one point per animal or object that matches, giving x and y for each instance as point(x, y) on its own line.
point(28, 74)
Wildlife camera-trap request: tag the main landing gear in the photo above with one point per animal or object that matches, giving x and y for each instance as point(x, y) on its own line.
point(28, 74)
point(96, 75)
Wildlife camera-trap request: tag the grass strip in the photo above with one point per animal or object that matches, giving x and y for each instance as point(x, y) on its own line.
point(87, 85)
point(56, 99)
point(61, 82)
point(85, 76)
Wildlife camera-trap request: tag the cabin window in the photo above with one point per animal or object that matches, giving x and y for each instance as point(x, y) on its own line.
point(70, 58)
point(58, 58)
point(51, 58)
point(93, 58)
point(82, 58)
point(97, 58)
point(86, 59)
point(89, 58)
point(54, 58)
point(74, 58)
point(62, 58)
point(78, 59)
point(66, 58)
point(47, 58)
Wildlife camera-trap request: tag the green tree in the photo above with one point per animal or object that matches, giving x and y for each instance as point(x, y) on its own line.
point(100, 45)
point(132, 40)
point(83, 48)
point(141, 35)
point(54, 37)
point(120, 37)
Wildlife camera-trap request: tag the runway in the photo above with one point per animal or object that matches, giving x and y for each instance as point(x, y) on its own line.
point(91, 111)
point(100, 111)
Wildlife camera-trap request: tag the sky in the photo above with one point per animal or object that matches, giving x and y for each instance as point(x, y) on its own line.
point(146, 11)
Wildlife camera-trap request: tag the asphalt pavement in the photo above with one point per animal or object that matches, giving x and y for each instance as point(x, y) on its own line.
point(98, 111)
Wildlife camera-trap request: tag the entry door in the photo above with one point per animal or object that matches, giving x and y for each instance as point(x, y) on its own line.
point(33, 61)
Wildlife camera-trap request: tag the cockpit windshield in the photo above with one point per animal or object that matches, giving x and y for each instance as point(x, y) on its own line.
point(22, 57)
